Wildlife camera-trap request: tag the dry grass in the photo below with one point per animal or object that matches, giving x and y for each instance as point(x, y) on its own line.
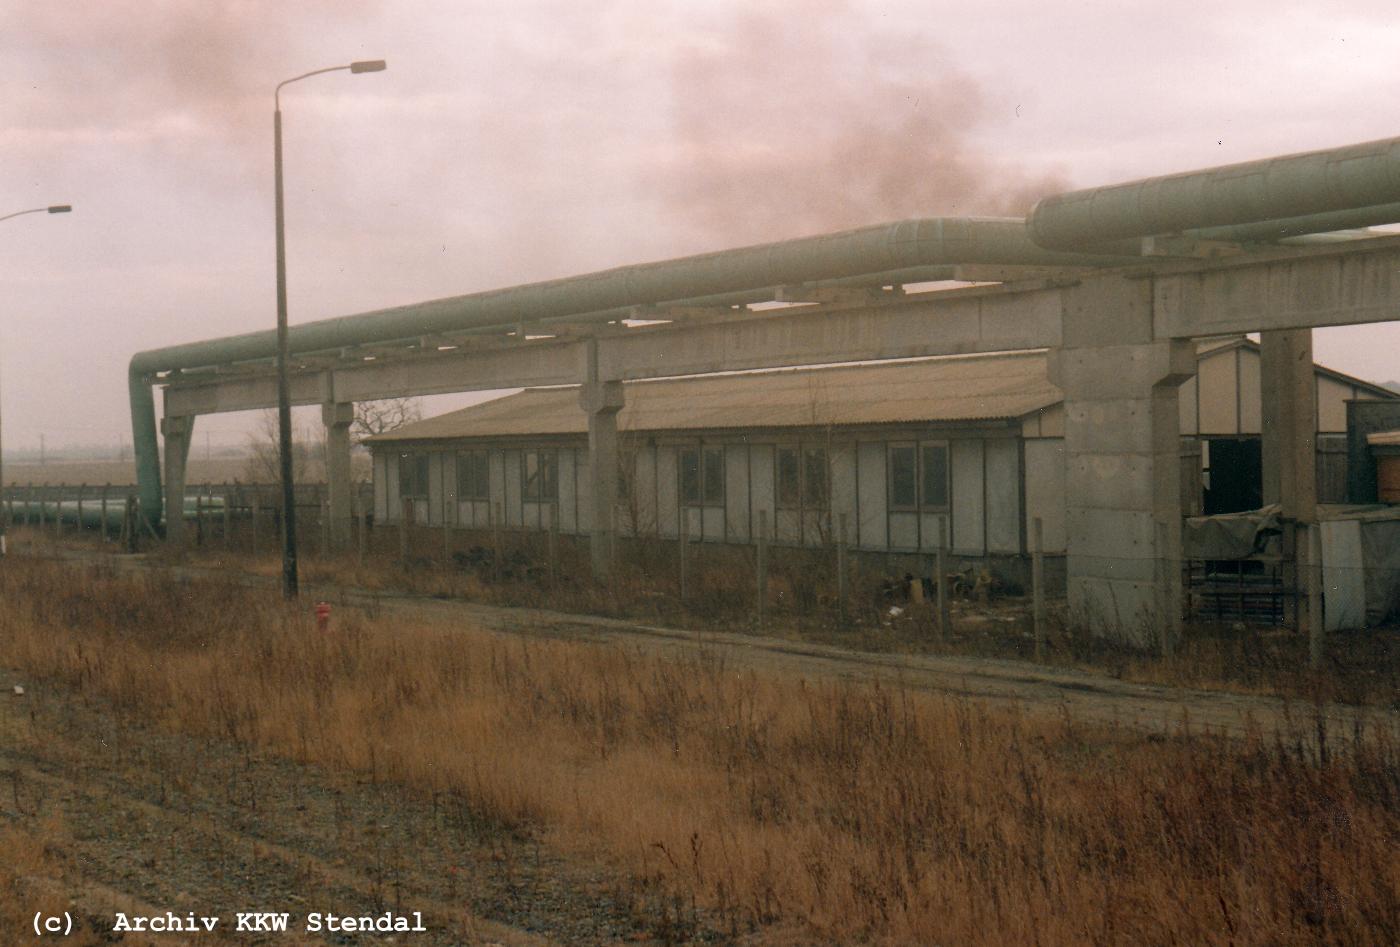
point(806, 811)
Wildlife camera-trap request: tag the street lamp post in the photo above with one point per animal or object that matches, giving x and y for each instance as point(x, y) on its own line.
point(4, 510)
point(284, 401)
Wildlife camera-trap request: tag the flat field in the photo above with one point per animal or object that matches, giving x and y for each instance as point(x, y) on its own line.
point(187, 743)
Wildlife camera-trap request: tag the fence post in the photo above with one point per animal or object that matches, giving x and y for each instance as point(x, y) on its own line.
point(129, 523)
point(1317, 633)
point(446, 536)
point(256, 507)
point(405, 511)
point(1038, 585)
point(762, 564)
point(684, 553)
point(553, 543)
point(359, 504)
point(842, 571)
point(496, 540)
point(940, 565)
point(228, 514)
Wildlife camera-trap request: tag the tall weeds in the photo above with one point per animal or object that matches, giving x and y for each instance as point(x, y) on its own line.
point(809, 810)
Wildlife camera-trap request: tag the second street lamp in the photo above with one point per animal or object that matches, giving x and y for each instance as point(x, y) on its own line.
point(284, 401)
point(4, 515)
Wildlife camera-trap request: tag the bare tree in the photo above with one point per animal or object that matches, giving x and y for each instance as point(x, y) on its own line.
point(379, 417)
point(263, 465)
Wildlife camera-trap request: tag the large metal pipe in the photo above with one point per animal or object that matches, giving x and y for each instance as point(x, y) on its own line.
point(903, 247)
point(1287, 228)
point(1274, 189)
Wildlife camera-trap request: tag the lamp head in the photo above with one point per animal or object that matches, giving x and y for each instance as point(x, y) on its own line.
point(368, 65)
point(60, 208)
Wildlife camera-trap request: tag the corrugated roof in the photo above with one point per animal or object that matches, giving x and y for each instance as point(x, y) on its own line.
point(941, 389)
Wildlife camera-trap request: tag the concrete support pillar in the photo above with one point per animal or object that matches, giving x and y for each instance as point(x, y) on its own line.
point(337, 417)
point(1123, 462)
point(602, 400)
point(177, 432)
point(1288, 391)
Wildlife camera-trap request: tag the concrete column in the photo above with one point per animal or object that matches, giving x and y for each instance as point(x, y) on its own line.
point(602, 400)
point(337, 417)
point(1123, 501)
point(1288, 391)
point(177, 432)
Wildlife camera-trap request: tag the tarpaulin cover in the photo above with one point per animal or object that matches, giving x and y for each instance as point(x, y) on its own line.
point(1233, 535)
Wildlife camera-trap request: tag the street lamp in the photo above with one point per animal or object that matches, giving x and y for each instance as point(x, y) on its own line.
point(284, 400)
point(4, 510)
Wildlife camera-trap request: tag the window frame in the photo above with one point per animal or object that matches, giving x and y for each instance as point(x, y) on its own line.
point(467, 472)
point(922, 503)
point(420, 478)
point(801, 498)
point(703, 497)
point(544, 486)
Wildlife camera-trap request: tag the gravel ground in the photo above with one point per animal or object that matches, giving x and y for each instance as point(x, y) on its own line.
point(148, 822)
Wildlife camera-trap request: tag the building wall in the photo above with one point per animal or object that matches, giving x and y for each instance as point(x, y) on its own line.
point(1223, 400)
point(985, 481)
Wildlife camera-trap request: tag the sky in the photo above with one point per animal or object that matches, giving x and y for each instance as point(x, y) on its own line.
point(507, 143)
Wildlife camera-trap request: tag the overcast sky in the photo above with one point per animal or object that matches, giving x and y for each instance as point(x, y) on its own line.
point(513, 142)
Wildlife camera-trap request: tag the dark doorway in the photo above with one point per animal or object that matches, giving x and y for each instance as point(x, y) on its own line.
point(1234, 475)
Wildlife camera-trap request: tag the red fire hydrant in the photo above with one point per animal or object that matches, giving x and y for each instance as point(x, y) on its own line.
point(323, 616)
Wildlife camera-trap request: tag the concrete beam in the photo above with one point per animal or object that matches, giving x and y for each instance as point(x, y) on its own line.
point(1123, 467)
point(177, 431)
point(988, 319)
point(337, 417)
point(601, 401)
point(1288, 396)
point(1334, 284)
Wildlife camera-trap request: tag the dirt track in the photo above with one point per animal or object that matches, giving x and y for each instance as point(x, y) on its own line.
point(1032, 688)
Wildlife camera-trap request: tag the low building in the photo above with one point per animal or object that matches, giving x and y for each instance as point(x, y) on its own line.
point(966, 451)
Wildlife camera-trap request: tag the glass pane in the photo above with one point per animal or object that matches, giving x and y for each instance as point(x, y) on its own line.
point(714, 475)
point(481, 463)
point(814, 479)
point(420, 483)
point(935, 475)
point(549, 475)
point(690, 476)
point(787, 478)
point(903, 478)
point(532, 475)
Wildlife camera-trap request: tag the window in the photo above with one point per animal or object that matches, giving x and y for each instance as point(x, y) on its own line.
point(540, 469)
point(934, 469)
point(919, 476)
point(803, 478)
point(815, 479)
point(690, 476)
point(714, 475)
point(413, 476)
point(702, 476)
point(904, 477)
point(789, 479)
point(473, 475)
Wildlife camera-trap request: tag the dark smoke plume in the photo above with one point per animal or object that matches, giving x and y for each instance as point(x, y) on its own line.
point(814, 121)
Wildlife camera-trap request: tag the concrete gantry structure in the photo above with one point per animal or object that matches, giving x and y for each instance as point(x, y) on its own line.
point(1120, 329)
point(1121, 344)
